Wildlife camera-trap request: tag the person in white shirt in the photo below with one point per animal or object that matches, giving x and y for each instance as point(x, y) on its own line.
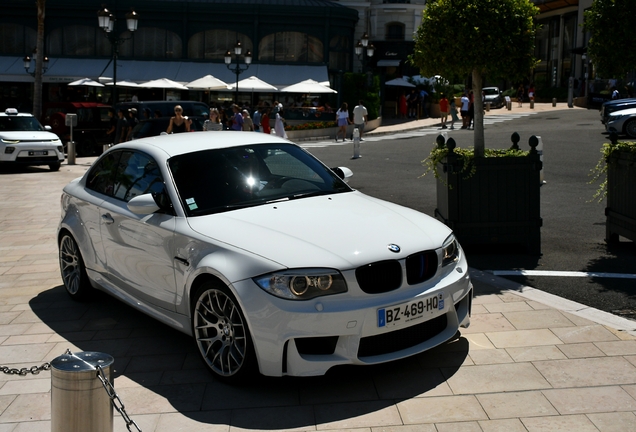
point(360, 117)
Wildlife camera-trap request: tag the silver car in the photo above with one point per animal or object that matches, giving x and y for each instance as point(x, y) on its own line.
point(622, 122)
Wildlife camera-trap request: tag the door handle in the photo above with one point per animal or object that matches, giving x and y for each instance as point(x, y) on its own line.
point(107, 219)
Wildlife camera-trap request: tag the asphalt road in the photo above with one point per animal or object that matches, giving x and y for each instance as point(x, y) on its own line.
point(573, 232)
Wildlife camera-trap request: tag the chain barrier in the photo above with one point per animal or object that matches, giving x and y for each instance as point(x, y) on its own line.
point(110, 390)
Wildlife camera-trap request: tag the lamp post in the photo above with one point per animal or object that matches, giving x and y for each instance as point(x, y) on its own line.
point(236, 68)
point(106, 21)
point(365, 51)
point(27, 63)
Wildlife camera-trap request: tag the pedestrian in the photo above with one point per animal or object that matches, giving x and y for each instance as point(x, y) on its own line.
point(342, 116)
point(453, 112)
point(360, 118)
point(443, 110)
point(112, 125)
point(464, 111)
point(520, 92)
point(179, 123)
point(214, 122)
point(413, 101)
point(402, 106)
point(248, 124)
point(122, 127)
point(265, 121)
point(531, 92)
point(424, 103)
point(256, 119)
point(615, 94)
point(132, 122)
point(236, 122)
point(279, 124)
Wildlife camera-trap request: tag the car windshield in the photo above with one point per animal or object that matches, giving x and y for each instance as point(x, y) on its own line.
point(490, 91)
point(16, 124)
point(213, 181)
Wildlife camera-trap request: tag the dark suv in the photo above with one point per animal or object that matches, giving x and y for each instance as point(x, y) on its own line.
point(92, 124)
point(616, 105)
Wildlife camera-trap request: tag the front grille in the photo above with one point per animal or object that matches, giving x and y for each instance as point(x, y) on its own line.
point(420, 267)
point(379, 277)
point(401, 339)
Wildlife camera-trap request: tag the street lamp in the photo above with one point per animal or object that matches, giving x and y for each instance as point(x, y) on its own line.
point(238, 49)
point(365, 51)
point(106, 21)
point(27, 63)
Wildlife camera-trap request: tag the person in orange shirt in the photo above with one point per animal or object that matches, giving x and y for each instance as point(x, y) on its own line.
point(443, 110)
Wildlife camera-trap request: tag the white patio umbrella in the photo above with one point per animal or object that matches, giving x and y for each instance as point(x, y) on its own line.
point(253, 84)
point(124, 84)
point(86, 82)
point(163, 83)
point(399, 82)
point(308, 86)
point(207, 82)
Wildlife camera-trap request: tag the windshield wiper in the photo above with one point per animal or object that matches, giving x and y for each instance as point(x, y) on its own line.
point(311, 194)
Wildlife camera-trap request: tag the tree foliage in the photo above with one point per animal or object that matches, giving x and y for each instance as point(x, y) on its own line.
point(494, 37)
point(613, 38)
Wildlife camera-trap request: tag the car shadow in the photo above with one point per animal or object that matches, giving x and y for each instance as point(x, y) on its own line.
point(154, 362)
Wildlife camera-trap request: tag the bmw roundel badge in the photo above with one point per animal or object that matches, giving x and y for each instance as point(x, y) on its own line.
point(394, 248)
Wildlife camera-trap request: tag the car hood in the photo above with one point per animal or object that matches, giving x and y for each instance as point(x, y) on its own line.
point(629, 111)
point(337, 231)
point(28, 136)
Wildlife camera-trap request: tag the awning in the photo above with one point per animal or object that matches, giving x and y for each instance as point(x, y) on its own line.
point(65, 70)
point(388, 63)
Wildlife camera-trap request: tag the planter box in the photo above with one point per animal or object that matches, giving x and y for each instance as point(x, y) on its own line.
point(499, 204)
point(621, 190)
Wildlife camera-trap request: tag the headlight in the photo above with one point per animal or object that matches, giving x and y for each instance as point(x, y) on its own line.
point(450, 250)
point(302, 284)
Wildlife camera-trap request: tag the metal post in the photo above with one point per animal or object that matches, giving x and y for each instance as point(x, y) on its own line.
point(356, 143)
point(79, 402)
point(554, 101)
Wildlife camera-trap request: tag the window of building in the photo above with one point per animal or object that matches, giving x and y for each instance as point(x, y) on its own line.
point(77, 40)
point(152, 42)
point(339, 53)
point(212, 44)
point(290, 47)
point(16, 39)
point(395, 31)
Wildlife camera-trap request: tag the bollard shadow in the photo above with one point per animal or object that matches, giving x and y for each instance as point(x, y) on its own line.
point(158, 370)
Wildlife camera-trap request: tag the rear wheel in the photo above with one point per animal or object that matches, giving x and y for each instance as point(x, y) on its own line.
point(630, 128)
point(221, 333)
point(73, 270)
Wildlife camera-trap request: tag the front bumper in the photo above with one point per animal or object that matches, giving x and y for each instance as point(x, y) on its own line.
point(308, 338)
point(30, 155)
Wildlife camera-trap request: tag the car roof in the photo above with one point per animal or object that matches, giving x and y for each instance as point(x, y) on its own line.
point(167, 146)
point(620, 101)
point(18, 114)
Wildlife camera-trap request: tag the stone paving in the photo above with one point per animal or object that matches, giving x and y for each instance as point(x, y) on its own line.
point(528, 362)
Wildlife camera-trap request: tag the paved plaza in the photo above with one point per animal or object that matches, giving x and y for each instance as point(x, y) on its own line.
point(529, 361)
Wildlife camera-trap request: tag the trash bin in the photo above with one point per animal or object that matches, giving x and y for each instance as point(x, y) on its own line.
point(79, 402)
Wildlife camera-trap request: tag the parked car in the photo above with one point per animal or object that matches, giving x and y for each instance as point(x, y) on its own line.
point(494, 96)
point(154, 127)
point(622, 122)
point(92, 124)
point(615, 105)
point(241, 241)
point(24, 141)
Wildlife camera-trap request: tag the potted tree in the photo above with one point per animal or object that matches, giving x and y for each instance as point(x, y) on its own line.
point(480, 193)
point(611, 50)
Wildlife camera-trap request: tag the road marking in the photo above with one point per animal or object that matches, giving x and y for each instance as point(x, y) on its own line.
point(554, 273)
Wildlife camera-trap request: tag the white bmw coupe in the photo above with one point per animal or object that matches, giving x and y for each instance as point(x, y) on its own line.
point(261, 253)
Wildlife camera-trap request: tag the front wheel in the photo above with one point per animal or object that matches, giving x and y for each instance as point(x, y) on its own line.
point(221, 334)
point(630, 128)
point(55, 166)
point(73, 270)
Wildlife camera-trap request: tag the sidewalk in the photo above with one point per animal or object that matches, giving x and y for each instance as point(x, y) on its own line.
point(528, 362)
point(395, 125)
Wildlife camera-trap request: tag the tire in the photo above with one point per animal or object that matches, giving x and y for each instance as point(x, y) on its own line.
point(73, 271)
point(630, 128)
point(55, 166)
point(222, 335)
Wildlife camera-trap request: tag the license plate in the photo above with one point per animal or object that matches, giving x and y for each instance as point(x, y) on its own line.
point(410, 311)
point(39, 153)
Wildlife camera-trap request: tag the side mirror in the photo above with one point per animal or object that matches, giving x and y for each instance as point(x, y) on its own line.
point(343, 172)
point(143, 204)
point(48, 128)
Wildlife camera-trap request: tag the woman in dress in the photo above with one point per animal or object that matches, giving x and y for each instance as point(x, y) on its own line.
point(342, 117)
point(214, 122)
point(279, 125)
point(179, 123)
point(265, 121)
point(248, 123)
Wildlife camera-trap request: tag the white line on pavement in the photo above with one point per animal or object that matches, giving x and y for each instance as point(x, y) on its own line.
point(561, 274)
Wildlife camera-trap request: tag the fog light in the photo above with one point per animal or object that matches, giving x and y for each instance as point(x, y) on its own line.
point(9, 150)
point(60, 149)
